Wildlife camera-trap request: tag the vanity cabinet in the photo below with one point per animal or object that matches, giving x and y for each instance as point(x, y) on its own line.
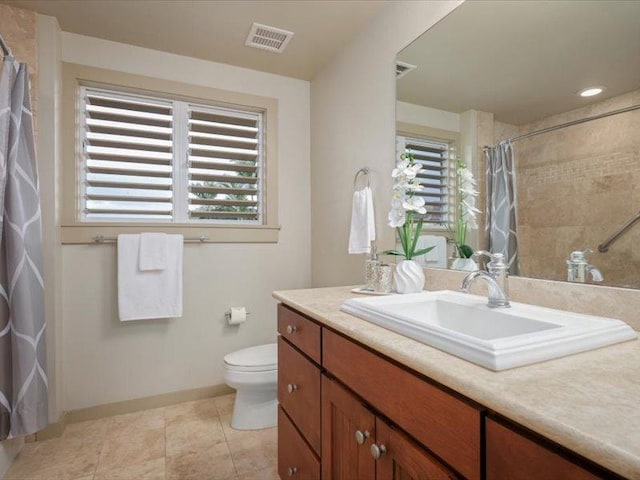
point(357, 444)
point(349, 413)
point(512, 455)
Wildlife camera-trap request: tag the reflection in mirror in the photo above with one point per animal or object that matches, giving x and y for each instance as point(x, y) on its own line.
point(558, 166)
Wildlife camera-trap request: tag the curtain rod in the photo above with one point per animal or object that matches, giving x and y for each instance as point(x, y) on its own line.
point(569, 124)
point(5, 48)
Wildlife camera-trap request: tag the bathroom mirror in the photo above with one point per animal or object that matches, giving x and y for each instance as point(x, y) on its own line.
point(494, 71)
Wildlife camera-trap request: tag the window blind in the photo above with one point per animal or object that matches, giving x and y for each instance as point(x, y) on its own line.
point(225, 159)
point(435, 177)
point(127, 144)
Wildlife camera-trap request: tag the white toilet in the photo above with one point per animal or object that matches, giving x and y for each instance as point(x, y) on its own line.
point(253, 372)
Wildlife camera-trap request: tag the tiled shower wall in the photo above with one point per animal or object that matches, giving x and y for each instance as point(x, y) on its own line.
point(576, 187)
point(18, 28)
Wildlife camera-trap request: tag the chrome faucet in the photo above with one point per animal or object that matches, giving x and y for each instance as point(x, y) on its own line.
point(496, 277)
point(578, 269)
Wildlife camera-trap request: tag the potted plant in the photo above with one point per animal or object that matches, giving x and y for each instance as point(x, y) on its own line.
point(465, 218)
point(405, 207)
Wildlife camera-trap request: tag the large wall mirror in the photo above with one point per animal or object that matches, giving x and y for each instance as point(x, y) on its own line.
point(505, 86)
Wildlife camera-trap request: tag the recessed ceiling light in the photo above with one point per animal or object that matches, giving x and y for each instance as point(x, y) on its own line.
point(591, 91)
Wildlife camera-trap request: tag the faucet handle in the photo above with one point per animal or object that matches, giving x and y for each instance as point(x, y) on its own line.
point(496, 258)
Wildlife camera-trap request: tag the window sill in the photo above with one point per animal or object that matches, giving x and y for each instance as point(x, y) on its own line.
point(83, 234)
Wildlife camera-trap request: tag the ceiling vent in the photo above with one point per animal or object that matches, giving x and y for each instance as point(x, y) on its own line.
point(268, 38)
point(403, 68)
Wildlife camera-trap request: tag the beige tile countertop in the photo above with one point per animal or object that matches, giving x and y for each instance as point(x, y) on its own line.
point(588, 402)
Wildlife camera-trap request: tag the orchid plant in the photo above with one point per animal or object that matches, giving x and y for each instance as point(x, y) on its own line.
point(405, 205)
point(466, 210)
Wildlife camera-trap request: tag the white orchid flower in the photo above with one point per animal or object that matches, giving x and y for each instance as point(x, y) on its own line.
point(397, 217)
point(469, 209)
point(411, 171)
point(400, 168)
point(415, 204)
point(415, 186)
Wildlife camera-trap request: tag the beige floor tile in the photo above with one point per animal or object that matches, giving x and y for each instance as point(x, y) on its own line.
point(121, 451)
point(254, 450)
point(191, 433)
point(224, 404)
point(91, 431)
point(56, 459)
point(270, 473)
point(153, 470)
point(130, 423)
point(200, 409)
point(213, 463)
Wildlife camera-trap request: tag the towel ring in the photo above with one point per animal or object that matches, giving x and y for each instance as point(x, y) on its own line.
point(363, 171)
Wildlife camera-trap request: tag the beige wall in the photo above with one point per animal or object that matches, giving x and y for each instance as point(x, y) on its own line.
point(108, 361)
point(18, 28)
point(576, 186)
point(353, 124)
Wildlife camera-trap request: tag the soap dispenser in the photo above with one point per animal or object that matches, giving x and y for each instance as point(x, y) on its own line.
point(372, 265)
point(578, 268)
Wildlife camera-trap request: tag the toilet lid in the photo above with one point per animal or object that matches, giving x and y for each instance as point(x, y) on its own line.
point(258, 358)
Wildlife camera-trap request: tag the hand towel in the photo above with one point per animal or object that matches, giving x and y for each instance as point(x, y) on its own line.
point(153, 251)
point(363, 224)
point(149, 294)
point(436, 258)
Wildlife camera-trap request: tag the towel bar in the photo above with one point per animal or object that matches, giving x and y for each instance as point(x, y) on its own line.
point(102, 239)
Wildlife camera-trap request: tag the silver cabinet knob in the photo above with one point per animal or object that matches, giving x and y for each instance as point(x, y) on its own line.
point(377, 450)
point(291, 329)
point(291, 471)
point(361, 436)
point(292, 387)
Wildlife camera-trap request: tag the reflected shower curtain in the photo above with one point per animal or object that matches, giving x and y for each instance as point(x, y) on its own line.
point(23, 381)
point(501, 227)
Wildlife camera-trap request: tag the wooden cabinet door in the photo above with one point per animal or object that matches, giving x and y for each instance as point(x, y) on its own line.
point(343, 457)
point(402, 459)
point(511, 456)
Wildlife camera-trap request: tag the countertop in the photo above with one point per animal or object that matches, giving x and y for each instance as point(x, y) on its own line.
point(587, 402)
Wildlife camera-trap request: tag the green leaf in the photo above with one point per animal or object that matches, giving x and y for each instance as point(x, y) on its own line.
point(392, 252)
point(465, 251)
point(416, 235)
point(423, 251)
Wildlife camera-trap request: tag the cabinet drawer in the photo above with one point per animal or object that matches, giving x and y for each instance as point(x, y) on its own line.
point(300, 331)
point(299, 391)
point(295, 458)
point(446, 425)
point(513, 456)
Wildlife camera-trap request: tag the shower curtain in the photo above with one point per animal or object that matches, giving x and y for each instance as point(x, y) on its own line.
point(23, 379)
point(501, 228)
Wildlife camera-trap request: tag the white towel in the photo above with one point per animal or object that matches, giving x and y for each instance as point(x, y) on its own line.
point(153, 251)
point(436, 258)
point(363, 224)
point(149, 294)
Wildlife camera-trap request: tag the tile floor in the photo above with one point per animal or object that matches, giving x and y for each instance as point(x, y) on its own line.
point(192, 440)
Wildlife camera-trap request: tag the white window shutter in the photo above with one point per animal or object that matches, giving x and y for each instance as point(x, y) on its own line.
point(127, 151)
point(225, 165)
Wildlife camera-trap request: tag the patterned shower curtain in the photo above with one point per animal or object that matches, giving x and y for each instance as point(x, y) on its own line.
point(23, 379)
point(501, 227)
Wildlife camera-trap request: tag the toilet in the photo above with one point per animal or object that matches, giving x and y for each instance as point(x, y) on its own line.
point(253, 372)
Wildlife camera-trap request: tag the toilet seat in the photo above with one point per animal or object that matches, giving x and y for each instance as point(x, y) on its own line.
point(262, 358)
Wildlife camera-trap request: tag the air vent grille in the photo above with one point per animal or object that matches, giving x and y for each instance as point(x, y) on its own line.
point(402, 68)
point(268, 38)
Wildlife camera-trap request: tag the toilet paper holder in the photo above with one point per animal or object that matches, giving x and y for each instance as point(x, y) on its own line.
point(227, 314)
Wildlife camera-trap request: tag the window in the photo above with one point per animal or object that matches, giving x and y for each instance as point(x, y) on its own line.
point(153, 159)
point(144, 154)
point(436, 177)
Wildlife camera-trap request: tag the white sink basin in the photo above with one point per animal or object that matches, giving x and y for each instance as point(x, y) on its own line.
point(498, 339)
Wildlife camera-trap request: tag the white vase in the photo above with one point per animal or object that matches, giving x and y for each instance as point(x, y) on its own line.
point(466, 264)
point(409, 277)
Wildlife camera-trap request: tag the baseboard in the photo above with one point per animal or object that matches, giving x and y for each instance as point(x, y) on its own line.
point(129, 406)
point(53, 430)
